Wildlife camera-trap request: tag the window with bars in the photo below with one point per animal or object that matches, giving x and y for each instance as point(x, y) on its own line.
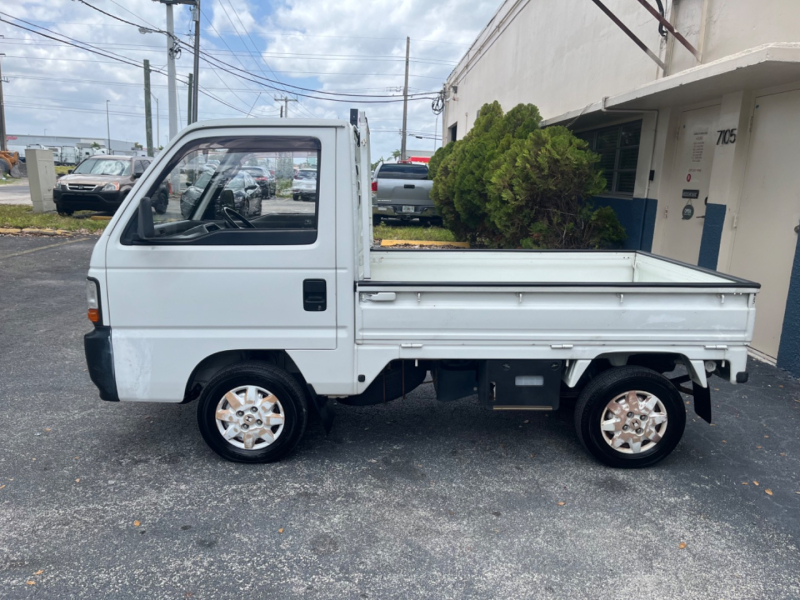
point(618, 147)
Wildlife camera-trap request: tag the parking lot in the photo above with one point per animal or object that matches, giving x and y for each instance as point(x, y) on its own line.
point(412, 499)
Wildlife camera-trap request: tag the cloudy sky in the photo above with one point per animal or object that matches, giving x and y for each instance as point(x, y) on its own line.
point(344, 47)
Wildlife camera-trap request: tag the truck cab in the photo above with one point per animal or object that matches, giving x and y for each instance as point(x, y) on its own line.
point(261, 318)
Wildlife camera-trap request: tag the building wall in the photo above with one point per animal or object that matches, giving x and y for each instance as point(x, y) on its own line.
point(558, 54)
point(565, 54)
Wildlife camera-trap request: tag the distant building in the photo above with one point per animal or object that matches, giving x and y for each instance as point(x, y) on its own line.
point(23, 141)
point(700, 157)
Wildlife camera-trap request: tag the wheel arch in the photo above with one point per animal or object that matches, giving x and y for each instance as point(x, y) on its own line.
point(209, 366)
point(581, 371)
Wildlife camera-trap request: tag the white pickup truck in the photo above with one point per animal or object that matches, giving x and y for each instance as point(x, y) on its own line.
point(261, 319)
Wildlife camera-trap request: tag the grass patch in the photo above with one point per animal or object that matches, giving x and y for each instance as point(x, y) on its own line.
point(416, 233)
point(16, 215)
point(8, 181)
point(64, 169)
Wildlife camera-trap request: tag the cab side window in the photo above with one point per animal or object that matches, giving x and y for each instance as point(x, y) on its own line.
point(207, 194)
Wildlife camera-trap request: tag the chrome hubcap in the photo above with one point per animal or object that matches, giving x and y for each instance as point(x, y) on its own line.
point(633, 422)
point(250, 417)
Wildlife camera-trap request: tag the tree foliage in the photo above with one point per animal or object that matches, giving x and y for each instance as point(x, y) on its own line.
point(509, 184)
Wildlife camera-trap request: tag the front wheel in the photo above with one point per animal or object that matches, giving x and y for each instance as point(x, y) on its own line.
point(252, 413)
point(630, 417)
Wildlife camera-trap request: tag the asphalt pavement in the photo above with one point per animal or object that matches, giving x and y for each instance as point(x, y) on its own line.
point(15, 192)
point(412, 499)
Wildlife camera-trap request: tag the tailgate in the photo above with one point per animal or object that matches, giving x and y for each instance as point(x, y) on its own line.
point(408, 191)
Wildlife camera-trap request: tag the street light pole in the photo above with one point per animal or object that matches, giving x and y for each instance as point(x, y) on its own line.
point(108, 129)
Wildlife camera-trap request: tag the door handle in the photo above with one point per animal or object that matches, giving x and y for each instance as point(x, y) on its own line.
point(315, 295)
point(410, 186)
point(381, 297)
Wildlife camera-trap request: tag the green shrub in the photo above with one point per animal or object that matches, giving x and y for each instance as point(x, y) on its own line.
point(509, 184)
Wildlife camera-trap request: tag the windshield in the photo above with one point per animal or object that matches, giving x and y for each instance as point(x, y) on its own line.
point(255, 171)
point(104, 166)
point(306, 174)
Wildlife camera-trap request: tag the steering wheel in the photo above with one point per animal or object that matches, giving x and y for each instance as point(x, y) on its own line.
point(228, 213)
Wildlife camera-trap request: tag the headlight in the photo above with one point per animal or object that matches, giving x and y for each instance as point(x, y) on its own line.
point(57, 186)
point(111, 187)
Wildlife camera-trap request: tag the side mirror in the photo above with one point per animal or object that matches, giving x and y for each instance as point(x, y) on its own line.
point(70, 172)
point(137, 174)
point(146, 229)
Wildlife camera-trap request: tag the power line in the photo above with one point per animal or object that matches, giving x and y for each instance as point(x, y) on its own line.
point(248, 77)
point(88, 48)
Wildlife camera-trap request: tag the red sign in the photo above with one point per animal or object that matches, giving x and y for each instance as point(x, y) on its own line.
point(689, 177)
point(11, 137)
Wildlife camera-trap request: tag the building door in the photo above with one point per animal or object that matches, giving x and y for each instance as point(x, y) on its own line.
point(682, 222)
point(765, 238)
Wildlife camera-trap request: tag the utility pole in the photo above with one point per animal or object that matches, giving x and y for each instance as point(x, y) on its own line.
point(171, 89)
point(281, 112)
point(189, 108)
point(148, 113)
point(194, 83)
point(158, 124)
point(405, 105)
point(285, 100)
point(108, 129)
point(3, 133)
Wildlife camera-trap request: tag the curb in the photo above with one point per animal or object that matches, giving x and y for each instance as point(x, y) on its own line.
point(423, 243)
point(33, 231)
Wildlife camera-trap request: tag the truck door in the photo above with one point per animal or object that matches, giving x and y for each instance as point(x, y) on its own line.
point(225, 268)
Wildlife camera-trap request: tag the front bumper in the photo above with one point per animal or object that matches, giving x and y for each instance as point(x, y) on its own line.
point(100, 360)
point(396, 211)
point(105, 201)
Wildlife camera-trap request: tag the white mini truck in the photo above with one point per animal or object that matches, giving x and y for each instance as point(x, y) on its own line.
point(262, 319)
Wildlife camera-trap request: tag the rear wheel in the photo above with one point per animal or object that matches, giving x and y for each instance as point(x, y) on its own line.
point(630, 417)
point(252, 413)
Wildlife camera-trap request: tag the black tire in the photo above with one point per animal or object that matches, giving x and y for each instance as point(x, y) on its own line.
point(594, 399)
point(295, 197)
point(290, 393)
point(63, 211)
point(376, 220)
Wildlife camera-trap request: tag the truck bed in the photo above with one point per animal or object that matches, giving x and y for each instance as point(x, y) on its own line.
point(550, 297)
point(539, 267)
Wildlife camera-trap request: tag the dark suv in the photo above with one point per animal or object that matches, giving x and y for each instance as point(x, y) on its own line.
point(101, 183)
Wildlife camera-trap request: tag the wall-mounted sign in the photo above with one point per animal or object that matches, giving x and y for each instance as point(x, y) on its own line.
point(726, 136)
point(691, 194)
point(688, 211)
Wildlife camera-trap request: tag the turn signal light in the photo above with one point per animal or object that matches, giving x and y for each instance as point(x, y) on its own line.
point(93, 300)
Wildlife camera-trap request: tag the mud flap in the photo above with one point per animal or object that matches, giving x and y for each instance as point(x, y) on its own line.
point(702, 401)
point(322, 407)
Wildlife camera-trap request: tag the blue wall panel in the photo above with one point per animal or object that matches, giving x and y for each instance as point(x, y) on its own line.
point(637, 216)
point(789, 351)
point(712, 236)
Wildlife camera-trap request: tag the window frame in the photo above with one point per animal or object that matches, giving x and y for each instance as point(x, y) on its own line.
point(591, 136)
point(230, 237)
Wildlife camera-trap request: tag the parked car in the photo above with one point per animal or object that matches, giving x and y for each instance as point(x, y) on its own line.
point(246, 194)
point(293, 312)
point(403, 191)
point(304, 185)
point(266, 182)
point(101, 183)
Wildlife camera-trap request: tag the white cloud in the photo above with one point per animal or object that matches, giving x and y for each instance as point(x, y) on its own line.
point(343, 46)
